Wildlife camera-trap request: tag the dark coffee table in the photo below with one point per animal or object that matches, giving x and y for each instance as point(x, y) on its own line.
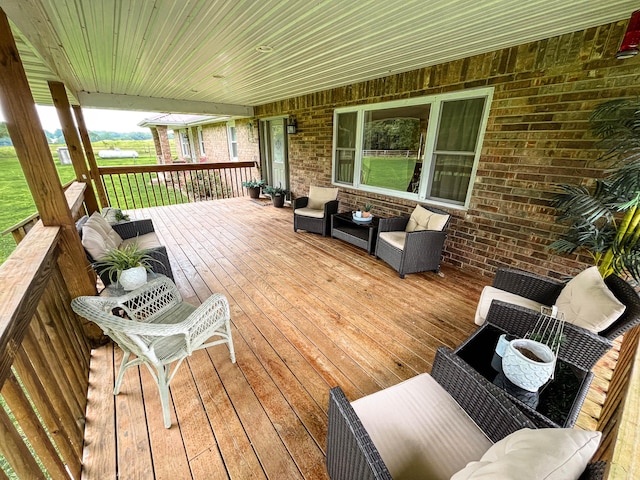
point(360, 234)
point(556, 404)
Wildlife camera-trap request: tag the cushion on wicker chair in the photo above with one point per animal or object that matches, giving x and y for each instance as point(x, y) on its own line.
point(98, 237)
point(309, 212)
point(489, 294)
point(394, 238)
point(423, 219)
point(549, 453)
point(318, 196)
point(431, 436)
point(586, 301)
point(145, 242)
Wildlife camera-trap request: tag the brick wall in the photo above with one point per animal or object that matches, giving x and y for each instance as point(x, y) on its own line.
point(537, 136)
point(217, 143)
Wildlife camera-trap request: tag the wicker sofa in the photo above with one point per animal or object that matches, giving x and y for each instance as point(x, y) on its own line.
point(141, 230)
point(352, 454)
point(582, 347)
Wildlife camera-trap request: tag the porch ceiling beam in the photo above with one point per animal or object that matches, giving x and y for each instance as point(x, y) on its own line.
point(152, 104)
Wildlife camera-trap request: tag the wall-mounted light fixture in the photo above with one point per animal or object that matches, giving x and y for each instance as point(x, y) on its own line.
point(292, 126)
point(631, 39)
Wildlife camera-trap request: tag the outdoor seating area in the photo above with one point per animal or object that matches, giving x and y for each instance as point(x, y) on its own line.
point(299, 331)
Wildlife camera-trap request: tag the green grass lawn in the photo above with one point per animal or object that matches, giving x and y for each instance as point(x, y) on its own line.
point(388, 172)
point(16, 202)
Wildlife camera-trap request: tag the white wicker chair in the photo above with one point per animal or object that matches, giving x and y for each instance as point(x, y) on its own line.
point(160, 329)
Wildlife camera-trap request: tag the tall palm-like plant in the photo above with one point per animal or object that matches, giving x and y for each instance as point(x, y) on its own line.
point(605, 220)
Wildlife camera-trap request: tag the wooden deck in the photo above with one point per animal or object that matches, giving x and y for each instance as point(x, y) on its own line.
point(308, 313)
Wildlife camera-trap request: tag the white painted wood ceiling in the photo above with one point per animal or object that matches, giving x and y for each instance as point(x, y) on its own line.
point(199, 56)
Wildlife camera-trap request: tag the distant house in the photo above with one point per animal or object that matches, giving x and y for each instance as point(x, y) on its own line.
point(199, 138)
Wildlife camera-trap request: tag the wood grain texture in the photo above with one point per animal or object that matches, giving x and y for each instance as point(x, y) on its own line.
point(308, 313)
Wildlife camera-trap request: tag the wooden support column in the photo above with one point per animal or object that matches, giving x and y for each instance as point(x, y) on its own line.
point(71, 137)
point(37, 163)
point(88, 149)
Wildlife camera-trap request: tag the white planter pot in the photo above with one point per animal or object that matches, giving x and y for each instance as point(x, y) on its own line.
point(133, 278)
point(525, 372)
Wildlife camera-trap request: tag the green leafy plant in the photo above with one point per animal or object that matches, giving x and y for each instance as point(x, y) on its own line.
point(368, 207)
point(253, 183)
point(116, 260)
point(604, 220)
point(275, 191)
point(120, 216)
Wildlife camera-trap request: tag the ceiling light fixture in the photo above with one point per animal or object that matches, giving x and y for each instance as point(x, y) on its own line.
point(264, 49)
point(631, 39)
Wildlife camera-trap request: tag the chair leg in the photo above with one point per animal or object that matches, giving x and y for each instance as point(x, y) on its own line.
point(123, 367)
point(163, 388)
point(230, 342)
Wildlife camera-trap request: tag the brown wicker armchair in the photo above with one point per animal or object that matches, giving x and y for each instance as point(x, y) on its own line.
point(410, 252)
point(313, 213)
point(352, 455)
point(581, 347)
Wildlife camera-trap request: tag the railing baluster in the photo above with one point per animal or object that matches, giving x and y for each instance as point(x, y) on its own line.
point(188, 182)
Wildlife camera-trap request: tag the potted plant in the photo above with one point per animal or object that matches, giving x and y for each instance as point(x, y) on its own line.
point(277, 195)
point(604, 220)
point(254, 187)
point(127, 265)
point(366, 211)
point(528, 363)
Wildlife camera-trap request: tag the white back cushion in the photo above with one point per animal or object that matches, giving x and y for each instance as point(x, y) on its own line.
point(318, 196)
point(424, 219)
point(586, 301)
point(546, 453)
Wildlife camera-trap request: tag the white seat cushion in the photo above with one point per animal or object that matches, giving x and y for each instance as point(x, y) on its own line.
point(546, 453)
point(395, 239)
point(145, 242)
point(424, 219)
point(309, 212)
point(420, 430)
point(586, 301)
point(489, 294)
point(318, 196)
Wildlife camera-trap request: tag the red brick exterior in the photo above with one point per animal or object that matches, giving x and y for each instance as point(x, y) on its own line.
point(161, 142)
point(537, 136)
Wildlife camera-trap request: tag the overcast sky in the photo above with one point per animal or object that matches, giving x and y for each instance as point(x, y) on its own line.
point(105, 120)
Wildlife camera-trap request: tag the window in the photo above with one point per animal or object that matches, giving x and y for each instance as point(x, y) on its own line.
point(233, 141)
point(201, 142)
point(184, 144)
point(424, 149)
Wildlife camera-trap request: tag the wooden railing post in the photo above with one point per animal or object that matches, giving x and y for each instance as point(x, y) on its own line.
point(37, 164)
point(72, 139)
point(91, 158)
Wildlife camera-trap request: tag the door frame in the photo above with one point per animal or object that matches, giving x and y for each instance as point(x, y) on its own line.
point(266, 163)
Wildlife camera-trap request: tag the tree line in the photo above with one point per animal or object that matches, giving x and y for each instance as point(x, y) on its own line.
point(95, 135)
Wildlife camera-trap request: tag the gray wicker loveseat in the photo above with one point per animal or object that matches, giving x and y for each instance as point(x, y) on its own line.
point(139, 231)
point(582, 347)
point(463, 413)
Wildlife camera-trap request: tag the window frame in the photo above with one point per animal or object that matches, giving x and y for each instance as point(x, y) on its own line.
point(434, 102)
point(231, 142)
point(200, 135)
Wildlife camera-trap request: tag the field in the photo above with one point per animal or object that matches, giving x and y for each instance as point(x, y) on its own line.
point(16, 202)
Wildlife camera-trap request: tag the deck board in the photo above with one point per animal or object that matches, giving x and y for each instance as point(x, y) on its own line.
point(308, 313)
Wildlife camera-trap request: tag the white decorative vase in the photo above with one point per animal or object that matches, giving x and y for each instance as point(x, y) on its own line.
point(133, 278)
point(525, 372)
